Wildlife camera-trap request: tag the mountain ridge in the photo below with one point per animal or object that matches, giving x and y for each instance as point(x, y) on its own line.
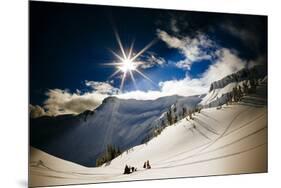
point(121, 122)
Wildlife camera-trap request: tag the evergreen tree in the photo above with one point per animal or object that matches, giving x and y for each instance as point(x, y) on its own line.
point(239, 93)
point(235, 94)
point(183, 112)
point(176, 119)
point(163, 123)
point(230, 97)
point(245, 88)
point(219, 105)
point(169, 117)
point(190, 114)
point(253, 85)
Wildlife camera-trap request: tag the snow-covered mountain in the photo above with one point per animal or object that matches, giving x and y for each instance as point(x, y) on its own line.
point(230, 140)
point(123, 123)
point(220, 90)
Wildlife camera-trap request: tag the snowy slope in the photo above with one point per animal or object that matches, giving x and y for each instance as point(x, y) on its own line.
point(40, 158)
point(230, 140)
point(216, 96)
point(83, 138)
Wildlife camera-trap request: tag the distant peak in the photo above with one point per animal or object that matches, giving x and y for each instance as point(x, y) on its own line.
point(110, 99)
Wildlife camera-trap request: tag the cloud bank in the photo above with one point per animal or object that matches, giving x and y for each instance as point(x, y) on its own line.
point(64, 102)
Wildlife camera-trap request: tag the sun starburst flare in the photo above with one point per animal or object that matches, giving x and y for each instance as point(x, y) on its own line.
point(128, 63)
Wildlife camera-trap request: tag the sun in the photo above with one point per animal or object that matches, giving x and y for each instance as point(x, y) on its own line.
point(127, 65)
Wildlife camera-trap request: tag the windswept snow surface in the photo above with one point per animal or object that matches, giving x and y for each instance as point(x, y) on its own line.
point(230, 140)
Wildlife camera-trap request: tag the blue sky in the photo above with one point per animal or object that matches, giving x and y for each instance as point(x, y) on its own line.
point(69, 45)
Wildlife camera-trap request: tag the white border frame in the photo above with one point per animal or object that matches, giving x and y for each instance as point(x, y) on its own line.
point(14, 90)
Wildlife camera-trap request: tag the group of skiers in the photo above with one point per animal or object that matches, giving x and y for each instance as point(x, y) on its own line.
point(131, 169)
point(146, 165)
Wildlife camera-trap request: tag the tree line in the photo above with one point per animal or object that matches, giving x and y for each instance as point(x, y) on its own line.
point(110, 153)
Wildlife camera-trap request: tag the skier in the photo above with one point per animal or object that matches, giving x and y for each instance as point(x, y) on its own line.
point(144, 165)
point(148, 165)
point(127, 170)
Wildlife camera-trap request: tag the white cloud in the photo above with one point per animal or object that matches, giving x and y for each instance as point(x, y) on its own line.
point(184, 87)
point(64, 102)
point(192, 48)
point(141, 95)
point(102, 87)
point(60, 101)
point(151, 60)
point(228, 62)
point(184, 64)
point(36, 111)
